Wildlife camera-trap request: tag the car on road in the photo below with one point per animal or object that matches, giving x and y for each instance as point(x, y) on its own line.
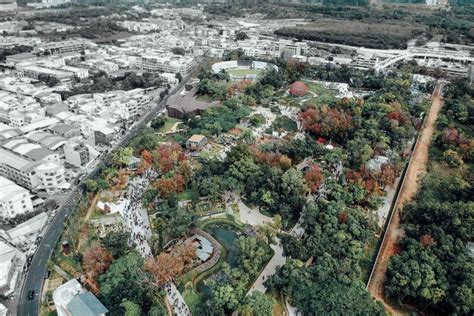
point(31, 295)
point(47, 274)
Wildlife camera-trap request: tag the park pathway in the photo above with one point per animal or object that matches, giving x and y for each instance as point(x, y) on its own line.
point(410, 185)
point(277, 260)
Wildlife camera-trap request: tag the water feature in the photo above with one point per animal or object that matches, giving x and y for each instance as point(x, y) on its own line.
point(226, 237)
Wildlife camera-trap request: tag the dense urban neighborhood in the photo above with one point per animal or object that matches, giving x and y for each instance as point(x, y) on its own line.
point(236, 158)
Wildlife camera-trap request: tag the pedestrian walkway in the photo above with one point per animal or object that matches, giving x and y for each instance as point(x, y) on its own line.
point(251, 216)
point(176, 300)
point(277, 260)
point(135, 215)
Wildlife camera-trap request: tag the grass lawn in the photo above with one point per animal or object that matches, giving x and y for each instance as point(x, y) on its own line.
point(285, 123)
point(242, 72)
point(168, 124)
point(192, 298)
point(185, 195)
point(279, 305)
point(203, 98)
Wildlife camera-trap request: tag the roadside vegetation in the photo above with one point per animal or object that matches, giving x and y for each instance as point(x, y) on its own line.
point(433, 270)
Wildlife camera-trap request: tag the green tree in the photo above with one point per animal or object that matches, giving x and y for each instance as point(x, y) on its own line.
point(116, 242)
point(126, 279)
point(252, 255)
point(122, 156)
point(178, 51)
point(257, 304)
point(158, 309)
point(91, 185)
point(131, 308)
point(225, 297)
point(158, 122)
point(240, 36)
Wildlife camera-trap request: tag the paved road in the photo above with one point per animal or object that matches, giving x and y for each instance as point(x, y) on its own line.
point(34, 280)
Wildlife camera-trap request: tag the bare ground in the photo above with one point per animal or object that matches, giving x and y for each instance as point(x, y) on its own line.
point(415, 171)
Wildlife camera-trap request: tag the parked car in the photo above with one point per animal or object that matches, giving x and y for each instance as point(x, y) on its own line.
point(31, 295)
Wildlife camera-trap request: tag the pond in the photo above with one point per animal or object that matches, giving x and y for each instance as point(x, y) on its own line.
point(226, 237)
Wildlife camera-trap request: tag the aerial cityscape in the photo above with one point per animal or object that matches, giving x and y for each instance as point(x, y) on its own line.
point(252, 158)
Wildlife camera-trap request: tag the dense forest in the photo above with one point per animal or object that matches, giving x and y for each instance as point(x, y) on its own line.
point(434, 270)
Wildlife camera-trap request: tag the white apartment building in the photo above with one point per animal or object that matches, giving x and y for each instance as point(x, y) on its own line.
point(52, 177)
point(33, 71)
point(11, 103)
point(34, 175)
point(80, 73)
point(18, 169)
point(67, 46)
point(8, 5)
point(143, 27)
point(166, 63)
point(14, 199)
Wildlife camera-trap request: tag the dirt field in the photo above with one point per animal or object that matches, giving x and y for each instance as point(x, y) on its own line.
point(416, 170)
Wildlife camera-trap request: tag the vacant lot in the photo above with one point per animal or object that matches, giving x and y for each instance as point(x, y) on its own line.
point(372, 35)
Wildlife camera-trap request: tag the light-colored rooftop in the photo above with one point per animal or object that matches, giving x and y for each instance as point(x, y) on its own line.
point(7, 254)
point(9, 189)
point(15, 161)
point(196, 138)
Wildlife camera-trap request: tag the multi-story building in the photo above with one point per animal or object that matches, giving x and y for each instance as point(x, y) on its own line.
point(65, 130)
point(12, 60)
point(11, 103)
point(14, 200)
point(11, 260)
point(62, 47)
point(136, 26)
point(8, 5)
point(33, 71)
point(31, 151)
point(104, 135)
point(76, 154)
point(79, 73)
point(169, 63)
point(18, 169)
point(40, 174)
point(52, 177)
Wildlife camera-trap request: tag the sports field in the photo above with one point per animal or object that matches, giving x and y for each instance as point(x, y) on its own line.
point(243, 72)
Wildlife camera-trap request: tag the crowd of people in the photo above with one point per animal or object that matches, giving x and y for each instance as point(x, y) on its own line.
point(135, 216)
point(136, 219)
point(176, 300)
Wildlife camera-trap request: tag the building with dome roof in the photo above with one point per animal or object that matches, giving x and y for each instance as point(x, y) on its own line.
point(298, 89)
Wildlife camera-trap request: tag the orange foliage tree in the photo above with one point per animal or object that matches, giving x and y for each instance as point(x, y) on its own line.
point(164, 268)
point(168, 156)
point(96, 261)
point(388, 174)
point(168, 186)
point(314, 177)
point(326, 121)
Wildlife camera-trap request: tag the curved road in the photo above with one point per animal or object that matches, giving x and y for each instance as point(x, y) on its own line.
point(35, 277)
